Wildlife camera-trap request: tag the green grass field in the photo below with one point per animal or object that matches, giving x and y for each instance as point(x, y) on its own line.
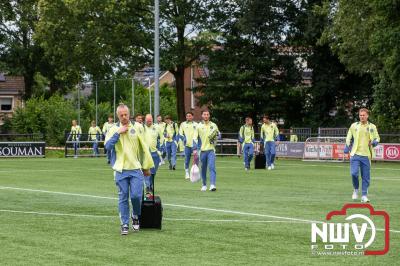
point(64, 212)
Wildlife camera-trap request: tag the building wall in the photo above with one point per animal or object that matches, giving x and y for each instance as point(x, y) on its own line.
point(191, 102)
point(13, 87)
point(167, 78)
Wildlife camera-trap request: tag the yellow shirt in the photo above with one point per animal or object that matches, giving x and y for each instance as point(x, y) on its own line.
point(171, 131)
point(131, 150)
point(247, 133)
point(361, 135)
point(106, 127)
point(188, 129)
point(152, 135)
point(363, 141)
point(75, 131)
point(93, 131)
point(269, 132)
point(208, 134)
point(161, 127)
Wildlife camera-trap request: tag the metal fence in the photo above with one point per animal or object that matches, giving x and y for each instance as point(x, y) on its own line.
point(84, 146)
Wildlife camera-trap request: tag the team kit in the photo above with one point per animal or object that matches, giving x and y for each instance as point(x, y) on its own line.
point(135, 150)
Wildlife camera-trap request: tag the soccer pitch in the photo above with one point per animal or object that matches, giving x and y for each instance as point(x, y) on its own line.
point(64, 211)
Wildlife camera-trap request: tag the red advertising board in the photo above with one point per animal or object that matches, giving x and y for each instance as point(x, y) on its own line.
point(338, 152)
point(383, 152)
point(391, 152)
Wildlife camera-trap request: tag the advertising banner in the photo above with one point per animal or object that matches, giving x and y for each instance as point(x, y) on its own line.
point(290, 149)
point(22, 149)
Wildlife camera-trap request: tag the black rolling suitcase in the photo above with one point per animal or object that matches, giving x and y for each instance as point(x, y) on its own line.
point(259, 161)
point(152, 211)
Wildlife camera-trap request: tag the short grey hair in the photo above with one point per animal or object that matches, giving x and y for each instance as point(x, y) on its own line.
point(122, 106)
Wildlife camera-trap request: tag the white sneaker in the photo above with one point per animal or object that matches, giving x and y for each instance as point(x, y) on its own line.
point(204, 188)
point(187, 176)
point(272, 166)
point(135, 223)
point(364, 199)
point(213, 188)
point(269, 167)
point(246, 169)
point(75, 157)
point(355, 195)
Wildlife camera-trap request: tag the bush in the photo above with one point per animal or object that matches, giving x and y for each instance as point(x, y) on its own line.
point(50, 117)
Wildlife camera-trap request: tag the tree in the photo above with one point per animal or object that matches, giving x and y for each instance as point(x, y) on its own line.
point(252, 71)
point(98, 37)
point(19, 52)
point(364, 35)
point(94, 38)
point(183, 38)
point(335, 94)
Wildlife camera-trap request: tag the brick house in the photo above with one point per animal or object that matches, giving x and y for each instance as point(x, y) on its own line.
point(11, 92)
point(193, 73)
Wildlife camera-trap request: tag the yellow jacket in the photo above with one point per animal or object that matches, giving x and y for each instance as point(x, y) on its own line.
point(353, 136)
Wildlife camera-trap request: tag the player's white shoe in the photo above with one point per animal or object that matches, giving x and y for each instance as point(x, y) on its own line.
point(213, 188)
point(355, 195)
point(269, 168)
point(135, 223)
point(246, 169)
point(187, 175)
point(272, 166)
point(364, 199)
point(204, 188)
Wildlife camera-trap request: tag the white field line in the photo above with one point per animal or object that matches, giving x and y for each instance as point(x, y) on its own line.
point(164, 218)
point(181, 206)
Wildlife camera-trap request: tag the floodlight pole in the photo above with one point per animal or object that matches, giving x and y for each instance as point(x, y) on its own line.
point(149, 95)
point(133, 97)
point(79, 104)
point(96, 105)
point(156, 58)
point(114, 98)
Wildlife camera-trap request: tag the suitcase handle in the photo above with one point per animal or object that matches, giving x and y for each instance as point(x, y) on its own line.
point(143, 193)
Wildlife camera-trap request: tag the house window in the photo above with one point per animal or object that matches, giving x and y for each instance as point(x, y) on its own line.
point(6, 104)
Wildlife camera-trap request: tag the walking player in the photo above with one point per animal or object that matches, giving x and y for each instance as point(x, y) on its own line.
point(94, 134)
point(208, 133)
point(131, 161)
point(75, 135)
point(171, 134)
point(246, 138)
point(269, 133)
point(153, 137)
point(188, 134)
point(361, 139)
